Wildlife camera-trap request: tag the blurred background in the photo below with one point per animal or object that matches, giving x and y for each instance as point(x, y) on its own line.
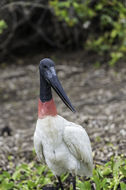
point(87, 41)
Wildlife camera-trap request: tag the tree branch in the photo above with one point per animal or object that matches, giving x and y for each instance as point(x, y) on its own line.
point(24, 4)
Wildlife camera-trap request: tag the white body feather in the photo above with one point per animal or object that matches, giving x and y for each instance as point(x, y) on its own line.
point(63, 146)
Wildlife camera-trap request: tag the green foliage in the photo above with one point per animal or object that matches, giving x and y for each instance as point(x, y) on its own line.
point(3, 26)
point(107, 24)
point(31, 176)
point(112, 28)
point(26, 177)
point(107, 177)
point(71, 11)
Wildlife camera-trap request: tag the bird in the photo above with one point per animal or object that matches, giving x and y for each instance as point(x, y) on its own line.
point(60, 144)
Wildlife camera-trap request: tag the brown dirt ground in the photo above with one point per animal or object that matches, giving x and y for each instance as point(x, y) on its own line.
point(98, 94)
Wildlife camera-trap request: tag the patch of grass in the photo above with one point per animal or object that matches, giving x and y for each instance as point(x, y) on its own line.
point(31, 176)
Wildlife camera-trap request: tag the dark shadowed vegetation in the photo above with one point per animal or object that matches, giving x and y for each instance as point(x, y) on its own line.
point(96, 26)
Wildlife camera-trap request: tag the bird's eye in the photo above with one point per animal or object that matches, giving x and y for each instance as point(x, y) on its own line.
point(45, 66)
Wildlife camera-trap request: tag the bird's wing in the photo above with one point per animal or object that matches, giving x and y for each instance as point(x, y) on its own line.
point(39, 148)
point(78, 143)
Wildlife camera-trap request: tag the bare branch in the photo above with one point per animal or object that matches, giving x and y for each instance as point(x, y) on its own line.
point(24, 4)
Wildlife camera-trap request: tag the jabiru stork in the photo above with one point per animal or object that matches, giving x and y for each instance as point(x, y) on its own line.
point(62, 145)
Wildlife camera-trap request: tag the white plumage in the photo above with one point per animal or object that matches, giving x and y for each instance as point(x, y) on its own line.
point(64, 146)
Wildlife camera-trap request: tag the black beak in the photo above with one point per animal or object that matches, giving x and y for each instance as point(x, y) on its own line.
point(56, 85)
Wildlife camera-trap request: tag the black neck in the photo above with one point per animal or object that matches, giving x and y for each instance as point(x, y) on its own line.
point(45, 90)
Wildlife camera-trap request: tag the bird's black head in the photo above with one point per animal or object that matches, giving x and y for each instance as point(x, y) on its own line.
point(48, 79)
point(45, 65)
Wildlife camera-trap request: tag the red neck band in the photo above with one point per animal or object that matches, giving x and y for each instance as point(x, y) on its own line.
point(46, 108)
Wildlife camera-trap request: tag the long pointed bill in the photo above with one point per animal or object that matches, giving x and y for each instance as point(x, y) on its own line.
point(56, 85)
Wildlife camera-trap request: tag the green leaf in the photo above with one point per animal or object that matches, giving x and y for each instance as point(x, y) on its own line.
point(96, 179)
point(114, 33)
point(123, 186)
point(3, 26)
point(85, 186)
point(6, 185)
point(106, 171)
point(99, 6)
point(123, 170)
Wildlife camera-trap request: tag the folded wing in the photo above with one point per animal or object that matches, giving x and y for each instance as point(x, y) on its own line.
point(78, 143)
point(39, 148)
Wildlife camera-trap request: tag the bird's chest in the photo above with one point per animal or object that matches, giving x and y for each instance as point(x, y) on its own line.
point(50, 132)
point(51, 139)
point(51, 135)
